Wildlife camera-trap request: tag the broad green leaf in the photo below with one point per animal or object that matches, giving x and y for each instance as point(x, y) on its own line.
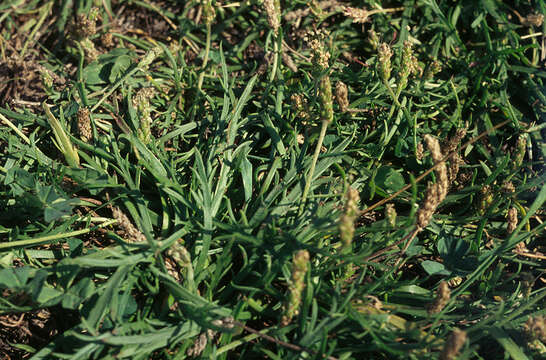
point(434, 268)
point(389, 179)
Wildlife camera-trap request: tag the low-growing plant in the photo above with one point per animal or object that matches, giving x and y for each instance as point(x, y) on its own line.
point(269, 179)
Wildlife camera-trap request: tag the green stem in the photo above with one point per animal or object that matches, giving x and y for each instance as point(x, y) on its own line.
point(206, 58)
point(323, 128)
point(276, 51)
point(15, 128)
point(45, 239)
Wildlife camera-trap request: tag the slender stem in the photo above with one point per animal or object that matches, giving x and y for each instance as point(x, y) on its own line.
point(276, 49)
point(205, 59)
point(15, 128)
point(313, 164)
point(44, 239)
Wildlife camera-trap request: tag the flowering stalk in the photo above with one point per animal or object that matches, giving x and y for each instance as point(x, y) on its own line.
point(209, 15)
point(141, 102)
point(320, 57)
point(182, 258)
point(273, 11)
point(347, 220)
point(300, 262)
point(326, 115)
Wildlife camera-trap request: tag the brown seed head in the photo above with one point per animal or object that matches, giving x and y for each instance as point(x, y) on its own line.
point(390, 214)
point(512, 220)
point(453, 142)
point(441, 170)
point(420, 151)
point(300, 106)
point(533, 20)
point(320, 55)
point(428, 207)
point(287, 60)
point(342, 94)
point(132, 234)
point(535, 328)
point(508, 187)
point(358, 15)
point(453, 345)
point(85, 26)
point(84, 124)
point(453, 169)
point(273, 11)
point(107, 40)
point(442, 298)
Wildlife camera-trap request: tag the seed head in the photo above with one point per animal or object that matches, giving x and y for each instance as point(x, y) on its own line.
point(449, 148)
point(533, 20)
point(326, 100)
point(342, 94)
point(442, 298)
point(441, 170)
point(320, 55)
point(453, 142)
point(85, 26)
point(420, 151)
point(91, 53)
point(409, 64)
point(347, 219)
point(208, 12)
point(107, 40)
point(141, 101)
point(453, 169)
point(390, 214)
point(519, 152)
point(453, 345)
point(358, 15)
point(512, 220)
point(428, 207)
point(508, 187)
point(373, 38)
point(273, 11)
point(300, 106)
point(436, 193)
point(84, 124)
point(384, 57)
point(300, 263)
point(132, 234)
point(535, 328)
point(149, 57)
